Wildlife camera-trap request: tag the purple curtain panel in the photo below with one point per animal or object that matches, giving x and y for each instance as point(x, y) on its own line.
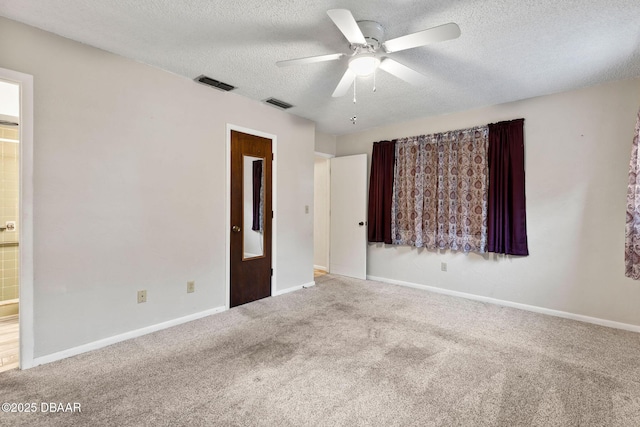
point(507, 217)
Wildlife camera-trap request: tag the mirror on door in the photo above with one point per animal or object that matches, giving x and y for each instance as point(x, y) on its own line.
point(253, 201)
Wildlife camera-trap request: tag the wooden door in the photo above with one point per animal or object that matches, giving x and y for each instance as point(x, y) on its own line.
point(251, 216)
point(348, 235)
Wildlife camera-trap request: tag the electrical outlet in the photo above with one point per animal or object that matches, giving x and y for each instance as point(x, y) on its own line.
point(443, 266)
point(306, 209)
point(142, 296)
point(191, 286)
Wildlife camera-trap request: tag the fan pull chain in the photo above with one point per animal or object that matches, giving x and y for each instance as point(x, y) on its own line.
point(374, 80)
point(354, 89)
point(355, 117)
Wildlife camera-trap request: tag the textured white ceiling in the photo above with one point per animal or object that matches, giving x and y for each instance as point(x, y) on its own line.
point(508, 50)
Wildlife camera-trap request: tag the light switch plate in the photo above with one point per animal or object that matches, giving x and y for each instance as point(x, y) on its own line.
point(191, 286)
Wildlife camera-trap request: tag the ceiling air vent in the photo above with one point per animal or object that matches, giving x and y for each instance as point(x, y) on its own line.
point(278, 103)
point(214, 83)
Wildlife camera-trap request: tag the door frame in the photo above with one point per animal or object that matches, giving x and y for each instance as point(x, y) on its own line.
point(327, 158)
point(274, 199)
point(25, 307)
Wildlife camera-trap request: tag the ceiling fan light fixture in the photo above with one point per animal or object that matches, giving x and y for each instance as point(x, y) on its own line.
point(364, 65)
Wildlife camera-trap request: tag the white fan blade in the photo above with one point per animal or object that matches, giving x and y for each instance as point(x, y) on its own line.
point(345, 83)
point(310, 60)
point(346, 23)
point(402, 72)
point(421, 38)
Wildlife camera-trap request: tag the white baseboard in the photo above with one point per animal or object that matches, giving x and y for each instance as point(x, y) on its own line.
point(136, 333)
point(294, 288)
point(320, 267)
point(533, 308)
point(118, 338)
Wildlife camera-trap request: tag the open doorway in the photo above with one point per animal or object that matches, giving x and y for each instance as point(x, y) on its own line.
point(24, 215)
point(9, 224)
point(321, 214)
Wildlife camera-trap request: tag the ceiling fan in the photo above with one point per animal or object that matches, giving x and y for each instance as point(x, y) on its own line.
point(368, 47)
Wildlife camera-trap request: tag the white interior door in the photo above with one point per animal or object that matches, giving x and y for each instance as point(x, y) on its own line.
point(348, 247)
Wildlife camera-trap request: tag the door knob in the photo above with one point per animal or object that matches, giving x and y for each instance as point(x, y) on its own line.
point(235, 229)
point(361, 223)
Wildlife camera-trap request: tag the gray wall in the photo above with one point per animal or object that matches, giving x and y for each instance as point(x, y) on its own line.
point(577, 155)
point(130, 189)
point(325, 143)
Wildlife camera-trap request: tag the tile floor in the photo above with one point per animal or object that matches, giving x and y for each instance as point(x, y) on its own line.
point(8, 342)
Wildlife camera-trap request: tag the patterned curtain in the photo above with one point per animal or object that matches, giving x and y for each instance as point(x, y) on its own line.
point(632, 235)
point(440, 191)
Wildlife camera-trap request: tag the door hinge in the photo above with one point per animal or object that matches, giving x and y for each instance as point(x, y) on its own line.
point(272, 272)
point(271, 214)
point(273, 157)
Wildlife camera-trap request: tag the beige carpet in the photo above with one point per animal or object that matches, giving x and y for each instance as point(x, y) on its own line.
point(353, 353)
